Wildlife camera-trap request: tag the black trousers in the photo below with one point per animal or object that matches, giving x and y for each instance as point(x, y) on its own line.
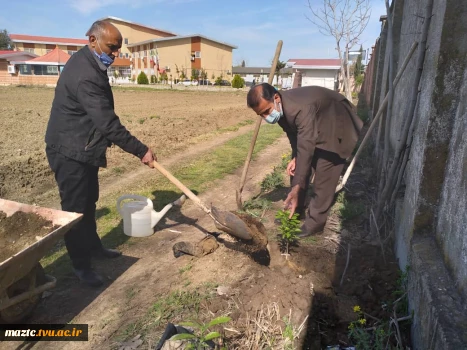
point(78, 185)
point(327, 167)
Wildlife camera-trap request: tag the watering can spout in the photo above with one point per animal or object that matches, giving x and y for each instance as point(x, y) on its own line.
point(157, 216)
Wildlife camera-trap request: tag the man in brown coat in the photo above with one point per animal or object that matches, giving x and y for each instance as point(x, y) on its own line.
point(323, 129)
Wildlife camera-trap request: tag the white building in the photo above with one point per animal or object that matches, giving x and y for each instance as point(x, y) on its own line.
point(261, 75)
point(320, 72)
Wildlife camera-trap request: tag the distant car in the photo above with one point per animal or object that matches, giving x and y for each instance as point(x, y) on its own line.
point(204, 82)
point(187, 82)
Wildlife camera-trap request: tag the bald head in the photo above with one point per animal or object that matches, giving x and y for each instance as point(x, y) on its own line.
point(263, 98)
point(98, 28)
point(104, 37)
point(258, 92)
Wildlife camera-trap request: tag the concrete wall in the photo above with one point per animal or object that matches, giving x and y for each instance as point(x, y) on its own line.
point(431, 215)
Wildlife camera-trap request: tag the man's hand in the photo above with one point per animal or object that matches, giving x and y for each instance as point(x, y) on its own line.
point(149, 158)
point(291, 202)
point(291, 168)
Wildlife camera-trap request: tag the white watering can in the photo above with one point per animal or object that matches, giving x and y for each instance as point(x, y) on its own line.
point(139, 217)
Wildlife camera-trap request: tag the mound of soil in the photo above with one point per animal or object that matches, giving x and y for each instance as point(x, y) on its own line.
point(256, 248)
point(20, 230)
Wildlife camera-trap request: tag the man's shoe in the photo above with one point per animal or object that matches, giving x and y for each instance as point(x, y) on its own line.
point(307, 233)
point(89, 277)
point(105, 253)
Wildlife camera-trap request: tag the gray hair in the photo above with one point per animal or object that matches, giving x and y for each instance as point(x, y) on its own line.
point(97, 28)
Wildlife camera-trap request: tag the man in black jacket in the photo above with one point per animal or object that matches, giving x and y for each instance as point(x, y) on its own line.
point(82, 125)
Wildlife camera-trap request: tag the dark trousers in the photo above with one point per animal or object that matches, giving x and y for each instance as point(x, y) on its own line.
point(327, 167)
point(78, 185)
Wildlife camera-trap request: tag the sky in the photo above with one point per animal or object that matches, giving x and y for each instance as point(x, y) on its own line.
point(254, 26)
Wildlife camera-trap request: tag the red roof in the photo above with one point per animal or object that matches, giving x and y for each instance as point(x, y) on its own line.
point(56, 56)
point(4, 52)
point(47, 39)
point(315, 62)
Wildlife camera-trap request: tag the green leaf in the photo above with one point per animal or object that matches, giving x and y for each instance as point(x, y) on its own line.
point(183, 336)
point(219, 320)
point(212, 335)
point(191, 324)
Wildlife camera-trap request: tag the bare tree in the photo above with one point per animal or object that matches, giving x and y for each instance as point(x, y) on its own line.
point(345, 20)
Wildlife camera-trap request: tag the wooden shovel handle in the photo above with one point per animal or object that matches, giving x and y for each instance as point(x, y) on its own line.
point(257, 126)
point(181, 186)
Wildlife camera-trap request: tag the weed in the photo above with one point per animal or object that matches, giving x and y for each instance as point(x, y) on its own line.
point(117, 170)
point(131, 292)
point(346, 210)
point(360, 334)
point(256, 207)
point(285, 160)
point(185, 268)
point(199, 339)
point(155, 117)
point(172, 306)
point(273, 180)
point(141, 120)
point(289, 228)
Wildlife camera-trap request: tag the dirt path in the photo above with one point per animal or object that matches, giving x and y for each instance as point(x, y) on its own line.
point(148, 267)
point(109, 184)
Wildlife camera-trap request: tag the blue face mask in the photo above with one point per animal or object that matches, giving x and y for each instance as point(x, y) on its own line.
point(275, 115)
point(103, 57)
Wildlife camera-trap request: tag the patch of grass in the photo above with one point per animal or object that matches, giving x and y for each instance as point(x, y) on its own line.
point(117, 170)
point(196, 175)
point(174, 307)
point(131, 292)
point(273, 180)
point(175, 304)
point(141, 120)
point(347, 210)
point(256, 207)
point(155, 117)
point(185, 268)
point(236, 126)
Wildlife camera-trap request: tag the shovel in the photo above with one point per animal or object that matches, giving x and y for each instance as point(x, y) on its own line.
point(224, 220)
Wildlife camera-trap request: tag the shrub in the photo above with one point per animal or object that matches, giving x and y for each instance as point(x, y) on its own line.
point(143, 78)
point(238, 82)
point(218, 81)
point(153, 79)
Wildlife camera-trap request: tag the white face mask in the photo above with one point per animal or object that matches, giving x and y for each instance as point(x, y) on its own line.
point(275, 115)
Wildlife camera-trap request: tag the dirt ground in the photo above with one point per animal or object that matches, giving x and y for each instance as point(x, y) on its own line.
point(148, 286)
point(306, 286)
point(167, 121)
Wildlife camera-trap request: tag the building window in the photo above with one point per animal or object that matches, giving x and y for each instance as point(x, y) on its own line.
point(126, 55)
point(120, 55)
point(71, 52)
point(145, 53)
point(25, 69)
point(198, 54)
point(45, 70)
point(29, 50)
point(126, 41)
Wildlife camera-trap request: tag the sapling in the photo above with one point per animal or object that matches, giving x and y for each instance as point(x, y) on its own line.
point(289, 228)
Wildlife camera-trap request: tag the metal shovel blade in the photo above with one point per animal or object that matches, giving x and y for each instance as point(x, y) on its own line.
point(231, 224)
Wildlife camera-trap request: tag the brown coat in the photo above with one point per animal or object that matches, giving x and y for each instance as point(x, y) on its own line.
point(316, 117)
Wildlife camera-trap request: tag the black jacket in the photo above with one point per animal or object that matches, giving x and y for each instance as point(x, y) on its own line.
point(82, 121)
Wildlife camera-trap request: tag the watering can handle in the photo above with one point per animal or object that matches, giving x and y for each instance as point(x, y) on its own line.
point(182, 187)
point(131, 196)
